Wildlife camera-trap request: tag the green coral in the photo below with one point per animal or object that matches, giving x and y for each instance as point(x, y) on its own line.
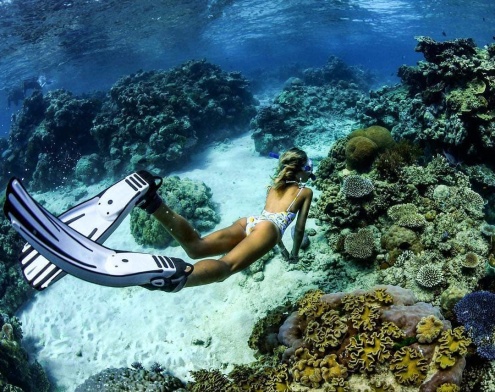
point(191, 199)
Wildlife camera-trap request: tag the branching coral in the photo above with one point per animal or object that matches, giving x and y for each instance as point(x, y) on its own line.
point(429, 276)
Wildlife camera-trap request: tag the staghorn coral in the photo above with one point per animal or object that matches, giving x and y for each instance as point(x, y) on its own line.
point(428, 329)
point(355, 186)
point(361, 244)
point(409, 366)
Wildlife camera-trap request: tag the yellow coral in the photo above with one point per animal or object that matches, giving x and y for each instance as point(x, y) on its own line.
point(311, 371)
point(325, 332)
point(428, 329)
point(383, 297)
point(310, 304)
point(409, 366)
point(391, 330)
point(337, 385)
point(366, 351)
point(381, 386)
point(352, 301)
point(453, 343)
point(365, 317)
point(448, 387)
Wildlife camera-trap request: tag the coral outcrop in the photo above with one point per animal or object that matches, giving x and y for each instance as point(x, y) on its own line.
point(190, 199)
point(420, 227)
point(383, 338)
point(136, 378)
point(16, 371)
point(306, 109)
point(147, 120)
point(444, 102)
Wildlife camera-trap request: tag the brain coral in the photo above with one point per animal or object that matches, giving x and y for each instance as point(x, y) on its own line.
point(360, 153)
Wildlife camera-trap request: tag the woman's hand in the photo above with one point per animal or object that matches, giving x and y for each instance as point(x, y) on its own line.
point(284, 252)
point(293, 259)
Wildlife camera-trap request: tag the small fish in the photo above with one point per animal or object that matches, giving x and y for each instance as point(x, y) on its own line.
point(444, 33)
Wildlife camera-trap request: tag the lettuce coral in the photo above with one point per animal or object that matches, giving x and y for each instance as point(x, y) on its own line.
point(409, 366)
point(428, 329)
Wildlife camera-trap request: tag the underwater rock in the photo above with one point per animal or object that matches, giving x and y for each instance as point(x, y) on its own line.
point(135, 379)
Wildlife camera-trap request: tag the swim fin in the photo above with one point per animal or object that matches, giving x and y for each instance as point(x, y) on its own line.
point(83, 258)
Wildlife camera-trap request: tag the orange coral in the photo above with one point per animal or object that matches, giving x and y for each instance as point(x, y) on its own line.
point(409, 366)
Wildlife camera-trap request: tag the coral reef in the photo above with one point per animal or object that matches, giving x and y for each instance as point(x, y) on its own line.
point(132, 379)
point(382, 337)
point(16, 371)
point(154, 119)
point(476, 311)
point(308, 108)
point(191, 199)
point(364, 145)
point(444, 102)
point(423, 224)
point(149, 119)
point(13, 288)
point(48, 136)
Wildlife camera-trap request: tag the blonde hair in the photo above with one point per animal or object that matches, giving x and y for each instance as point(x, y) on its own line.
point(289, 163)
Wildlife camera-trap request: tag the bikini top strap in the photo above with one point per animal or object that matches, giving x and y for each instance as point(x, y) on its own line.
point(295, 198)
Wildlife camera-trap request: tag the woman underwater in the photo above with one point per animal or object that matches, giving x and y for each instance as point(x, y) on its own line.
point(72, 243)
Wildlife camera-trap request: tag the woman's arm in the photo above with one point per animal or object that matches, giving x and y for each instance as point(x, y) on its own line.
point(300, 225)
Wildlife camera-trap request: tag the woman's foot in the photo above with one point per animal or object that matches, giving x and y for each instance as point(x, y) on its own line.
point(151, 200)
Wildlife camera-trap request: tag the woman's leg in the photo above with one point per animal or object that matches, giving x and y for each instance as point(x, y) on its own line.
point(261, 240)
point(216, 243)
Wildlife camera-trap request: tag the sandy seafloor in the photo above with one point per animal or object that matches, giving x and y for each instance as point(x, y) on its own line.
point(76, 329)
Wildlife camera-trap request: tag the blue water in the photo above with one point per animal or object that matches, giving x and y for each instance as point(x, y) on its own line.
point(86, 45)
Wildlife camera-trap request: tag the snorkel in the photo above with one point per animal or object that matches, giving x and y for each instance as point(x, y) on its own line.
point(308, 167)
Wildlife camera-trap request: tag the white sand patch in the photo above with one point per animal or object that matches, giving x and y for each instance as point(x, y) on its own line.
point(76, 329)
